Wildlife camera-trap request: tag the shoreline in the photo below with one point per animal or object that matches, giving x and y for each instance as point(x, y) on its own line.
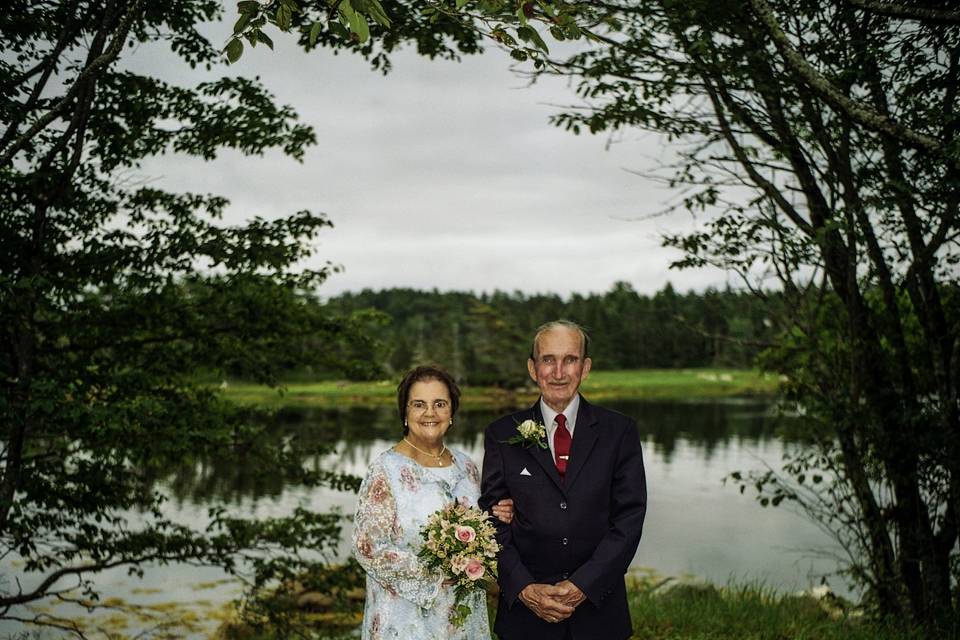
point(641, 384)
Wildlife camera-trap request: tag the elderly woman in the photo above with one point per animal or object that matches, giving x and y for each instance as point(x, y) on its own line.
point(403, 487)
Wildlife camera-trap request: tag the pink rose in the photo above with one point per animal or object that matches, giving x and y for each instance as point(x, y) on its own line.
point(364, 547)
point(474, 569)
point(465, 533)
point(379, 490)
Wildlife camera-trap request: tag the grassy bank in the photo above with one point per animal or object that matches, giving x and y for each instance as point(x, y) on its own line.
point(705, 612)
point(692, 612)
point(667, 384)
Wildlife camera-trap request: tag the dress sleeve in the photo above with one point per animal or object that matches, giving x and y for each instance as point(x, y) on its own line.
point(378, 544)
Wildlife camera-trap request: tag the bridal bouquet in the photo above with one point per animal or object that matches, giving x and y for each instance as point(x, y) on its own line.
point(459, 541)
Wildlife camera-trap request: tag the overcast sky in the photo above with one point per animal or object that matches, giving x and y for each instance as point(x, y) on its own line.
point(444, 175)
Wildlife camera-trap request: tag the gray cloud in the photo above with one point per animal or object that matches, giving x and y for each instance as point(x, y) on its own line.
point(443, 175)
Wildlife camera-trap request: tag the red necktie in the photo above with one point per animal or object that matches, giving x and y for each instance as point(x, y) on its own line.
point(561, 444)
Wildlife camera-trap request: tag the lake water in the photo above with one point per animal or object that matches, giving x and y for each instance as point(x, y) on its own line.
point(696, 525)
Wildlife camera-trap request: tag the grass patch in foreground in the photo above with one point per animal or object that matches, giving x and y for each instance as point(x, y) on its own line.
point(665, 384)
point(706, 612)
point(677, 611)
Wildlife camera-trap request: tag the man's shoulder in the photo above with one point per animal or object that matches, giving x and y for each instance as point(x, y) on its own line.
point(611, 417)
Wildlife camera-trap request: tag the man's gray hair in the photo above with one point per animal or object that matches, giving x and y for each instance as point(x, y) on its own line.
point(561, 324)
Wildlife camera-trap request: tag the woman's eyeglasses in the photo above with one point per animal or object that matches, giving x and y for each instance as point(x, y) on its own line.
point(421, 405)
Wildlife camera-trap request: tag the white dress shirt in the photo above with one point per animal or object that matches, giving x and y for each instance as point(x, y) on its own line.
point(550, 420)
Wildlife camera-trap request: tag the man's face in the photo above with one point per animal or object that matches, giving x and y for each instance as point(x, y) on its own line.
point(559, 367)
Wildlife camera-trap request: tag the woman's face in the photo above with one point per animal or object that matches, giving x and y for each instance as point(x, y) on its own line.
point(428, 411)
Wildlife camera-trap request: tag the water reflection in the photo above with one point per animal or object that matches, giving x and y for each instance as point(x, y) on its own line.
point(315, 434)
point(695, 524)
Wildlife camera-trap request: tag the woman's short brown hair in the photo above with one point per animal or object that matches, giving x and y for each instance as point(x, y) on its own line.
point(419, 374)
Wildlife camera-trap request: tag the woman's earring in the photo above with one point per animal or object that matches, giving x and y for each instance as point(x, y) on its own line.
point(405, 423)
point(451, 421)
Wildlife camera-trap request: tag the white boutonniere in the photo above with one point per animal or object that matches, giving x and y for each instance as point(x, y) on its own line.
point(529, 433)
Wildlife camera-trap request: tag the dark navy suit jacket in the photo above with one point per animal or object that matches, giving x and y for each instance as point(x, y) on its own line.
point(585, 529)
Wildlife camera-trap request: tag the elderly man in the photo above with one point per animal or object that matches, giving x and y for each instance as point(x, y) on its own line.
point(576, 477)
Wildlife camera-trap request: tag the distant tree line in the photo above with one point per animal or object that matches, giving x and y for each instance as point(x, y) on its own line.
point(485, 338)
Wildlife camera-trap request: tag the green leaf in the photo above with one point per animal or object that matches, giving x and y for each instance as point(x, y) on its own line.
point(375, 11)
point(357, 23)
point(315, 32)
point(361, 28)
point(234, 50)
point(339, 30)
point(248, 6)
point(265, 39)
point(521, 16)
point(242, 22)
point(503, 37)
point(284, 17)
point(529, 34)
point(461, 3)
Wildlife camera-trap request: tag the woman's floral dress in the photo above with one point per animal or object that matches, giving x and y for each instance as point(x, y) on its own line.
point(404, 600)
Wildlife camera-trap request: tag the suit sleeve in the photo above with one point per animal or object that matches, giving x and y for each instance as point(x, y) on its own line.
point(628, 506)
point(513, 575)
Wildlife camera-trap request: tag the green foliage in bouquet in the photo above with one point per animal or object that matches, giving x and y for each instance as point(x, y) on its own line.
point(459, 543)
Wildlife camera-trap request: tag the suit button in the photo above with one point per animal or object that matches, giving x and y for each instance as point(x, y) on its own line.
point(563, 505)
point(564, 575)
point(564, 542)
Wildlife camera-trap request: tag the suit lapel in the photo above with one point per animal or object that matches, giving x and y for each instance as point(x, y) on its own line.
point(584, 437)
point(542, 456)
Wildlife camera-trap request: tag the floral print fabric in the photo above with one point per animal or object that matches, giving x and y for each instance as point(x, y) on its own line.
point(404, 600)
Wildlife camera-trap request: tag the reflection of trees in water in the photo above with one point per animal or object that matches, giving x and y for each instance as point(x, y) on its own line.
point(705, 426)
point(325, 439)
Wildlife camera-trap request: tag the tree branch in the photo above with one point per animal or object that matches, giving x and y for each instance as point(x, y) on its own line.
point(42, 590)
point(46, 620)
point(47, 66)
point(897, 10)
point(92, 69)
point(858, 112)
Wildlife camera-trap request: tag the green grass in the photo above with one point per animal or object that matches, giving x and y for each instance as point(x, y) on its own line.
point(696, 611)
point(326, 393)
point(677, 384)
point(667, 384)
point(705, 612)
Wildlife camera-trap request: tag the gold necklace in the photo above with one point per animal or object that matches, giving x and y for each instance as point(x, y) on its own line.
point(437, 457)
